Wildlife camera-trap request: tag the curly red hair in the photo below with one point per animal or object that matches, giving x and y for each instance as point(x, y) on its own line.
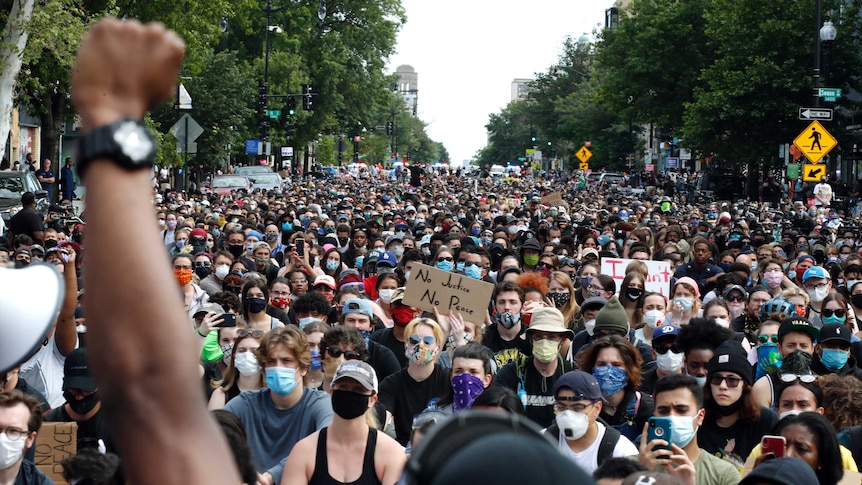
point(536, 281)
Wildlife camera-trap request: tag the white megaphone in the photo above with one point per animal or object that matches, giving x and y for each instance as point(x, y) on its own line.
point(30, 300)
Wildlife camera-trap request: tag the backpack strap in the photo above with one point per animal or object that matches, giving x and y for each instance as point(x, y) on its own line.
point(606, 447)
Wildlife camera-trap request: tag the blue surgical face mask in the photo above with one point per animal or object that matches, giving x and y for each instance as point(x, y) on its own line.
point(359, 261)
point(834, 359)
point(473, 271)
point(685, 303)
point(286, 226)
point(305, 321)
point(281, 380)
point(315, 360)
point(444, 265)
point(682, 430)
point(834, 319)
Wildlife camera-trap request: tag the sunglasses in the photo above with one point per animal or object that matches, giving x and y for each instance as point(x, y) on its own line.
point(732, 382)
point(840, 313)
point(429, 340)
point(543, 265)
point(445, 258)
point(735, 298)
point(766, 338)
point(203, 264)
point(664, 349)
point(245, 332)
point(335, 353)
point(807, 378)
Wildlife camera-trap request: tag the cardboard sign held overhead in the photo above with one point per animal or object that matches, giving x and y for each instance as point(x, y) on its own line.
point(554, 199)
point(55, 443)
point(658, 280)
point(430, 288)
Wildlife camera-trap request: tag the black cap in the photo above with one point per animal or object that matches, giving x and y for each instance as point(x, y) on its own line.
point(28, 198)
point(834, 331)
point(76, 372)
point(731, 357)
point(797, 324)
point(781, 471)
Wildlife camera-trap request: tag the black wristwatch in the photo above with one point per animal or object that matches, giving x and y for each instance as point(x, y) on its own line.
point(127, 142)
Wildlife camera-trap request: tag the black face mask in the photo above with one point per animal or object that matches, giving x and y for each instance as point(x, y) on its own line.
point(349, 405)
point(82, 406)
point(856, 300)
point(236, 249)
point(634, 293)
point(202, 271)
point(20, 263)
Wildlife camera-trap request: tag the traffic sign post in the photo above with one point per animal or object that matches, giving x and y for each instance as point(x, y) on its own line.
point(584, 154)
point(815, 142)
point(824, 114)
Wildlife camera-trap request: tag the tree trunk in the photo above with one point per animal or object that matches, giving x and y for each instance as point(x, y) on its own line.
point(52, 117)
point(11, 52)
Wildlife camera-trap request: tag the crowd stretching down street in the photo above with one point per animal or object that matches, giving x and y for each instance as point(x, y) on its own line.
point(630, 332)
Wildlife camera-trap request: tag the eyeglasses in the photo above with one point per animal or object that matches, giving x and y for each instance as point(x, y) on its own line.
point(198, 240)
point(840, 313)
point(445, 258)
point(766, 338)
point(203, 264)
point(821, 286)
point(735, 298)
point(732, 382)
point(428, 340)
point(335, 353)
point(15, 433)
point(246, 332)
point(577, 407)
point(807, 378)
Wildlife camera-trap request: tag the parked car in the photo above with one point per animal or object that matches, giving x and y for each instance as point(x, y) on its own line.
point(611, 178)
point(225, 184)
point(266, 181)
point(13, 184)
point(250, 169)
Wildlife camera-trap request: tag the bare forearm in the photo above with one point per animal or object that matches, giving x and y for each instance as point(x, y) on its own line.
point(66, 335)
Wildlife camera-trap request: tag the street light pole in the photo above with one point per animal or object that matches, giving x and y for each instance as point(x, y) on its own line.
point(269, 10)
point(817, 54)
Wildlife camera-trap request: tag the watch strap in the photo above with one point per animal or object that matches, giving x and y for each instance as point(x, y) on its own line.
point(99, 143)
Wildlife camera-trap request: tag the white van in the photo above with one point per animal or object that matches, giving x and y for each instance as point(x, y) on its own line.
point(498, 171)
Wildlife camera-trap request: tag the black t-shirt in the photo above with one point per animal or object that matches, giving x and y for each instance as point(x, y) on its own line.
point(382, 360)
point(506, 351)
point(26, 221)
point(539, 389)
point(404, 397)
point(89, 431)
point(734, 444)
point(386, 338)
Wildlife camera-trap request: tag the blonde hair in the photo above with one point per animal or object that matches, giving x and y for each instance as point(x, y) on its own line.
point(638, 267)
point(570, 309)
point(410, 329)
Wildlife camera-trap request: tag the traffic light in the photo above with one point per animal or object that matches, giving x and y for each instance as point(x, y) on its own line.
point(264, 90)
point(264, 130)
point(390, 127)
point(289, 130)
point(291, 106)
point(308, 95)
point(533, 136)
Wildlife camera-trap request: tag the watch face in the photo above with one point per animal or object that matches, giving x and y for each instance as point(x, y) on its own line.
point(134, 141)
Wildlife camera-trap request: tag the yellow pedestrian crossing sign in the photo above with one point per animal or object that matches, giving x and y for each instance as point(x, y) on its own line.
point(584, 166)
point(815, 142)
point(584, 154)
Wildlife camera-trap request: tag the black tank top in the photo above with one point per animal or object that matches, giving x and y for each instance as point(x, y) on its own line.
point(321, 466)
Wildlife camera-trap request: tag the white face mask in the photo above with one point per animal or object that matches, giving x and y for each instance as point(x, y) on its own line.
point(669, 362)
point(722, 322)
point(590, 326)
point(653, 318)
point(792, 412)
point(10, 450)
point(817, 295)
point(246, 363)
point(386, 295)
point(221, 271)
point(573, 425)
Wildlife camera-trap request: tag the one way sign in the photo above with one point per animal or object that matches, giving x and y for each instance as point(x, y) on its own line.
point(824, 114)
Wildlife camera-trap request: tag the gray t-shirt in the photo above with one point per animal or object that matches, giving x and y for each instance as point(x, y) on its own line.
point(272, 432)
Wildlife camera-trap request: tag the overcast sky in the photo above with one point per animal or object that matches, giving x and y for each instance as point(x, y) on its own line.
point(467, 52)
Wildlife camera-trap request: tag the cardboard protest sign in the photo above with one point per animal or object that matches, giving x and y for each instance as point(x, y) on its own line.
point(554, 199)
point(658, 280)
point(430, 288)
point(55, 443)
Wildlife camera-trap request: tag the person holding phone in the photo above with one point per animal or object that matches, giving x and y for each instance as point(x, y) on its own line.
point(680, 398)
point(810, 437)
point(734, 422)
